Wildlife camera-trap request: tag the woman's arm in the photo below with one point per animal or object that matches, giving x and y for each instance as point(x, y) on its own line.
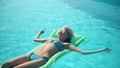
point(37, 39)
point(72, 47)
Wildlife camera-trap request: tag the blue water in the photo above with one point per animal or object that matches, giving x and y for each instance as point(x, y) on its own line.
point(99, 20)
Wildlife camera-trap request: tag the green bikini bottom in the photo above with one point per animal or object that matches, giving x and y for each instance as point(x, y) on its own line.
point(33, 56)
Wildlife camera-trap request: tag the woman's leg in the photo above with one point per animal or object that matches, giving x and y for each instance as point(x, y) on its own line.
point(32, 64)
point(16, 61)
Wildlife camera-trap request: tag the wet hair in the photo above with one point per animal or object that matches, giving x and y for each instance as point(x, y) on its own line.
point(70, 33)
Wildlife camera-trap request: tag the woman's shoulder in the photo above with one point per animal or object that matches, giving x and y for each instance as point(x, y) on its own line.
point(66, 43)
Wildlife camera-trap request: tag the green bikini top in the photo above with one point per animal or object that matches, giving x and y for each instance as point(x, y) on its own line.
point(58, 44)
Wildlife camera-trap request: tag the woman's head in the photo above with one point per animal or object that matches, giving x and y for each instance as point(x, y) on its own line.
point(65, 34)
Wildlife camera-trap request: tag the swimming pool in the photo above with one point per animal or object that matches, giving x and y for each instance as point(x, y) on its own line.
point(20, 20)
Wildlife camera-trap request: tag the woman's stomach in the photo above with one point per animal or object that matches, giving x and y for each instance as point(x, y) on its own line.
point(47, 49)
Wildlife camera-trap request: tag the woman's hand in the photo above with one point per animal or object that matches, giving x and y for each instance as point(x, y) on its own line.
point(42, 31)
point(106, 49)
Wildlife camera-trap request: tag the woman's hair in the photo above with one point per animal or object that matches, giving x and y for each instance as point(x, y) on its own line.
point(70, 33)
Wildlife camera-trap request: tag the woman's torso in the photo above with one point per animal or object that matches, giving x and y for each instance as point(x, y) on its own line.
point(47, 49)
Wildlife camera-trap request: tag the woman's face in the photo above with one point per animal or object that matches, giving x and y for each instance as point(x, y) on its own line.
point(63, 34)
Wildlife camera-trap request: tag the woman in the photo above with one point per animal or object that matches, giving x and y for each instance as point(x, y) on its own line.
point(40, 56)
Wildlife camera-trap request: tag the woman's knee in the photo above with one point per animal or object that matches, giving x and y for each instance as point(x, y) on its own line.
point(6, 65)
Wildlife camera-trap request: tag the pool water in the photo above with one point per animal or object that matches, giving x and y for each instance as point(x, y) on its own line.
point(20, 20)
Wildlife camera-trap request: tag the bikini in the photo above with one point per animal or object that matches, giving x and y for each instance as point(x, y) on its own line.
point(33, 56)
point(56, 43)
